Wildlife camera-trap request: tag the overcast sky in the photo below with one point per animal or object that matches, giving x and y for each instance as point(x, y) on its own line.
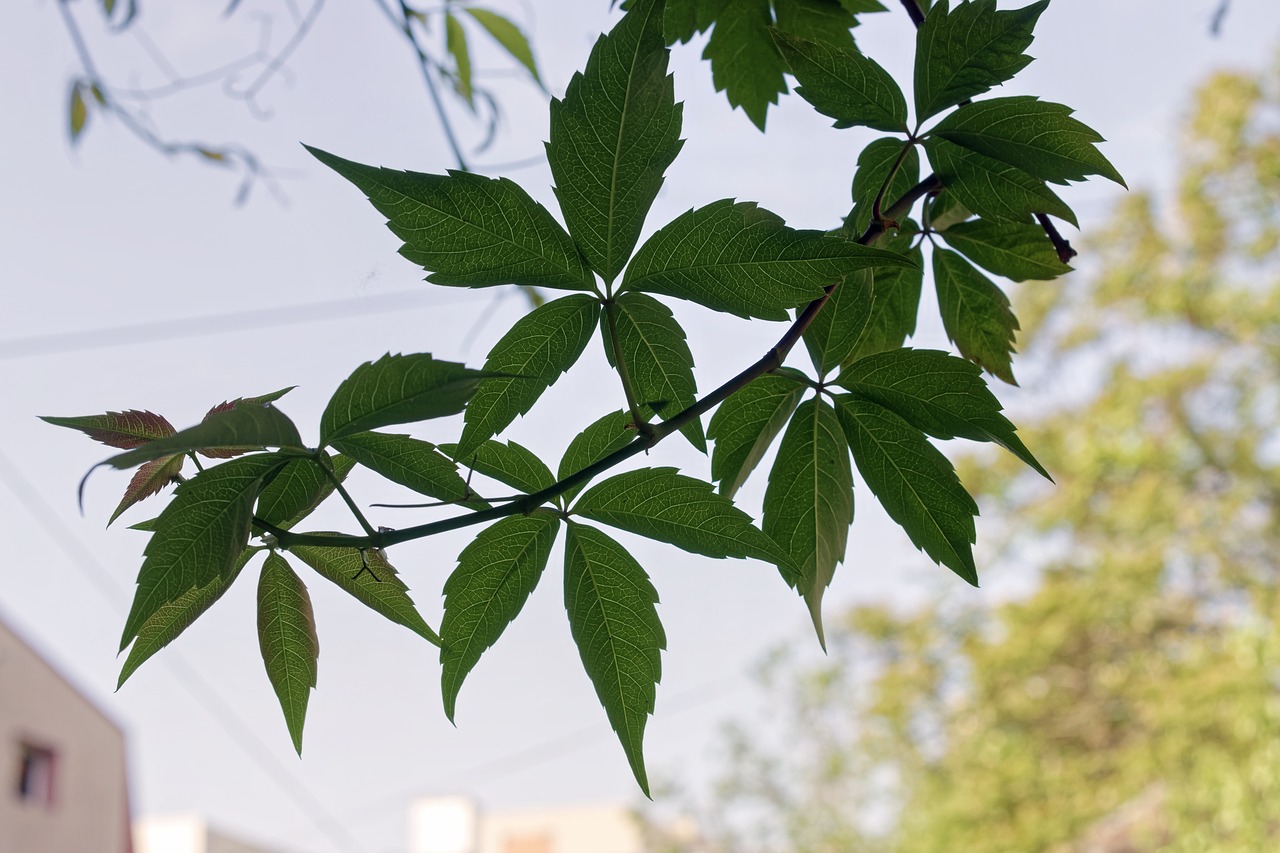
point(111, 235)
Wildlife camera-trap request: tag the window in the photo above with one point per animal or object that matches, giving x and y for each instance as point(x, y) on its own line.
point(36, 766)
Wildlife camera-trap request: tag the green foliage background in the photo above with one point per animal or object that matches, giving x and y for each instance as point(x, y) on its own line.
point(1128, 702)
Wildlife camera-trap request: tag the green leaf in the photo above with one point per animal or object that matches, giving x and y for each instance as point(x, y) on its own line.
point(455, 40)
point(469, 230)
point(744, 426)
point(858, 7)
point(842, 83)
point(937, 393)
point(895, 303)
point(657, 358)
point(260, 400)
point(287, 637)
point(397, 389)
point(874, 164)
point(198, 535)
point(509, 463)
point(541, 345)
point(661, 504)
point(612, 137)
point(412, 463)
point(1038, 137)
point(808, 505)
point(370, 579)
point(992, 189)
point(825, 21)
point(915, 483)
point(78, 112)
point(683, 19)
point(147, 480)
point(247, 426)
point(495, 575)
point(125, 430)
point(508, 35)
point(745, 63)
point(975, 313)
point(841, 324)
point(743, 259)
point(610, 604)
point(964, 52)
point(1015, 250)
point(167, 624)
point(299, 488)
point(612, 432)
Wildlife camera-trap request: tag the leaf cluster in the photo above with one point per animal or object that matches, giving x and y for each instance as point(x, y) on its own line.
point(851, 295)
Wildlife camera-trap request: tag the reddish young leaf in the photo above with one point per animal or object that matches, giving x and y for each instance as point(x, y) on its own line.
point(147, 480)
point(261, 400)
point(125, 430)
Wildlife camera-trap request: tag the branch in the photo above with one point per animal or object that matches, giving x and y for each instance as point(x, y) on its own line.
point(404, 24)
point(105, 97)
point(525, 504)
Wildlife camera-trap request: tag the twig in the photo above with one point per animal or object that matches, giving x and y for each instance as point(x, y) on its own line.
point(525, 504)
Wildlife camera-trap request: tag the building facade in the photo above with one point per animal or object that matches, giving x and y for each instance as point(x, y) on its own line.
point(63, 762)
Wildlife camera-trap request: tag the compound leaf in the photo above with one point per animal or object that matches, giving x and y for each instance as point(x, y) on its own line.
point(808, 505)
point(965, 51)
point(914, 482)
point(743, 259)
point(198, 535)
point(661, 504)
point(366, 575)
point(469, 230)
point(541, 345)
point(1037, 136)
point(975, 313)
point(287, 637)
point(937, 393)
point(610, 604)
point(613, 136)
point(657, 358)
point(495, 575)
point(1015, 250)
point(397, 389)
point(744, 426)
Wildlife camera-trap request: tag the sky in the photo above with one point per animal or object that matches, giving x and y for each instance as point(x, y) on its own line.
point(134, 281)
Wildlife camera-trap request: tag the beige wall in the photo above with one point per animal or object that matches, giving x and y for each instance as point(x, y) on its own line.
point(585, 829)
point(89, 809)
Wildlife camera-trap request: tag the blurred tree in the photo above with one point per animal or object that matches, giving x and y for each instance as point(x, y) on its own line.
point(1130, 702)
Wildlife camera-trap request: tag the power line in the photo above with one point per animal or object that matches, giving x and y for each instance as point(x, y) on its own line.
point(217, 324)
point(222, 714)
point(543, 752)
